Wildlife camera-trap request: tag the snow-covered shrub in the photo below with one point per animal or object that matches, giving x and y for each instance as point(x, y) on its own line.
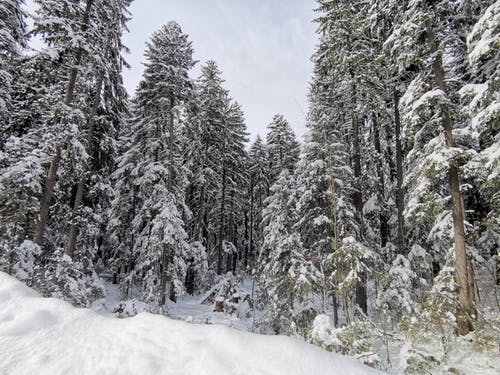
point(197, 267)
point(487, 332)
point(354, 339)
point(430, 331)
point(350, 262)
point(129, 308)
point(72, 280)
point(395, 298)
point(23, 261)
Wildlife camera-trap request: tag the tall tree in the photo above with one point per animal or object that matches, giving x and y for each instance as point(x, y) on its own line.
point(282, 147)
point(12, 39)
point(153, 170)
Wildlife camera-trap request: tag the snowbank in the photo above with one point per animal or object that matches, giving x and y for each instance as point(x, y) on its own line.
point(48, 336)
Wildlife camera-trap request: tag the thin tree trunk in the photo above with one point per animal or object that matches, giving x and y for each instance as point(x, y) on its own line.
point(251, 222)
point(221, 225)
point(81, 183)
point(361, 298)
point(384, 227)
point(399, 176)
point(54, 164)
point(171, 142)
point(334, 220)
point(247, 241)
point(467, 311)
point(170, 188)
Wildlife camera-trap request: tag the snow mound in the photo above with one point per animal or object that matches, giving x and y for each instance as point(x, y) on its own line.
point(48, 336)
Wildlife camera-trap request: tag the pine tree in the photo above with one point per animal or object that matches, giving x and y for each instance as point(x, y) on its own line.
point(154, 177)
point(435, 110)
point(108, 100)
point(258, 189)
point(282, 147)
point(218, 162)
point(12, 39)
point(286, 274)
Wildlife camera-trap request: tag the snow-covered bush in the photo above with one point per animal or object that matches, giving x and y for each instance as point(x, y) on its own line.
point(69, 279)
point(129, 308)
point(197, 267)
point(354, 339)
point(430, 331)
point(395, 298)
point(23, 261)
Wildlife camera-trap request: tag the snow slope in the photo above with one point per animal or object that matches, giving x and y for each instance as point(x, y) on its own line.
point(48, 336)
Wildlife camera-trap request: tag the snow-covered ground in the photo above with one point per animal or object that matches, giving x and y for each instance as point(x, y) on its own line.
point(48, 336)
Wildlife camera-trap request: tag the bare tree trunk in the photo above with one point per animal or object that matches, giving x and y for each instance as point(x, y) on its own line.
point(247, 241)
point(81, 183)
point(467, 311)
point(54, 164)
point(221, 225)
point(171, 142)
point(361, 298)
point(384, 226)
point(399, 176)
point(250, 248)
point(170, 188)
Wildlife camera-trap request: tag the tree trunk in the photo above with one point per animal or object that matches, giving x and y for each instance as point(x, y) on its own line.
point(384, 226)
point(399, 177)
point(54, 164)
point(170, 188)
point(361, 298)
point(250, 248)
point(163, 277)
point(81, 183)
point(221, 225)
point(171, 143)
point(466, 312)
point(247, 241)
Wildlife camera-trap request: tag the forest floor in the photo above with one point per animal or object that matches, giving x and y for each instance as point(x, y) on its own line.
point(49, 336)
point(199, 309)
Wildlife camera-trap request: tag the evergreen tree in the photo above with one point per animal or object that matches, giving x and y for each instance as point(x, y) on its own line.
point(218, 162)
point(286, 274)
point(282, 147)
point(257, 193)
point(12, 39)
point(151, 178)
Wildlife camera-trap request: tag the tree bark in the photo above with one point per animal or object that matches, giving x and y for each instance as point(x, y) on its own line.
point(361, 298)
point(384, 226)
point(399, 177)
point(54, 164)
point(81, 183)
point(170, 188)
point(221, 225)
point(466, 311)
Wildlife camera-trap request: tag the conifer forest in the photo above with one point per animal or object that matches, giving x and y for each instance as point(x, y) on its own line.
point(369, 244)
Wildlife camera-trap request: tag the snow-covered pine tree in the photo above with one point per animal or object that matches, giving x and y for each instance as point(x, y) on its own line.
point(218, 160)
point(12, 39)
point(51, 115)
point(108, 107)
point(345, 55)
point(205, 119)
point(287, 275)
point(432, 125)
point(282, 147)
point(147, 225)
point(235, 179)
point(326, 214)
point(258, 189)
point(480, 100)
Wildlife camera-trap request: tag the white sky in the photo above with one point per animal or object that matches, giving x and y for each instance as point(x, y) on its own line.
point(263, 48)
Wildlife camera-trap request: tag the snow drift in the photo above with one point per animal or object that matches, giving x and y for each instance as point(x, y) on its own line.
point(48, 336)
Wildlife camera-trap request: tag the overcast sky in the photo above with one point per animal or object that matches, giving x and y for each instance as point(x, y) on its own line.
point(263, 48)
